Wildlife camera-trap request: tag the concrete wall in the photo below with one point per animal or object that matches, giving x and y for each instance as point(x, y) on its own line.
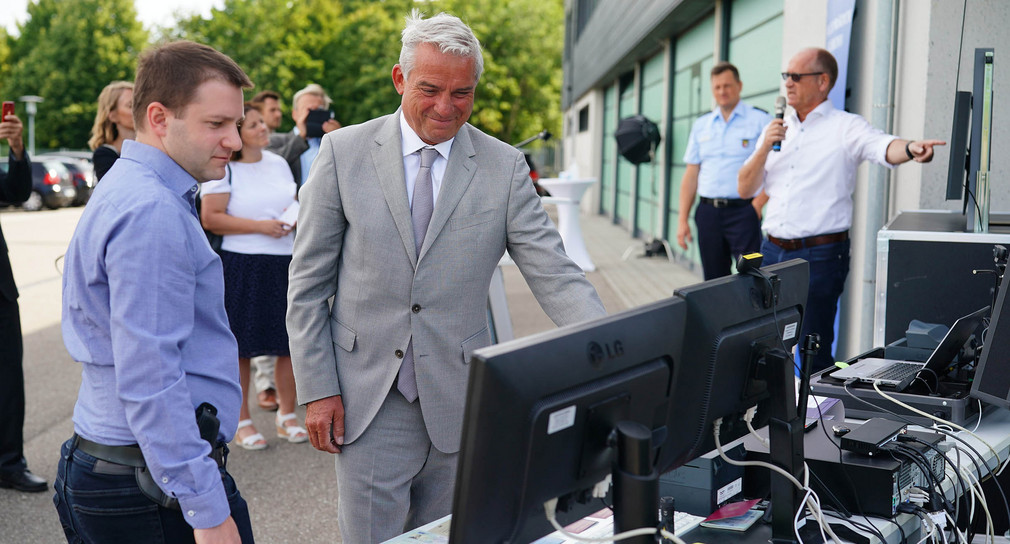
point(985, 25)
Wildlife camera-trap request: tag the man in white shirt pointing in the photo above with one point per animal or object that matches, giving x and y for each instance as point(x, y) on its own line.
point(810, 182)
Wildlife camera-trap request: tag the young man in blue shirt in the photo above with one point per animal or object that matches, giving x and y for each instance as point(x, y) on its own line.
point(143, 312)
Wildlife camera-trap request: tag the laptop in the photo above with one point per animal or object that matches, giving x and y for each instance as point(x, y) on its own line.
point(898, 374)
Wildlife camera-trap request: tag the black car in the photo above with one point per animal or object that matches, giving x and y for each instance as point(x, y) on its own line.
point(52, 186)
point(81, 169)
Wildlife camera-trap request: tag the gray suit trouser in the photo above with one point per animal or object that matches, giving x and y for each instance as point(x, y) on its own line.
point(392, 479)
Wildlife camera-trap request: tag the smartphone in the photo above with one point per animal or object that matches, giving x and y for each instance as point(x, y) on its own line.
point(314, 122)
point(8, 109)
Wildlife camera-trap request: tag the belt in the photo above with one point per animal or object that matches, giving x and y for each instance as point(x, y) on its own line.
point(129, 455)
point(792, 244)
point(726, 202)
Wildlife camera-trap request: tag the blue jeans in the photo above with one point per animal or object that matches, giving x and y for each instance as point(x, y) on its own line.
point(829, 266)
point(104, 504)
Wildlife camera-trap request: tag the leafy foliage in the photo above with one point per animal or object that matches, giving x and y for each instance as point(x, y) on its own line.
point(68, 50)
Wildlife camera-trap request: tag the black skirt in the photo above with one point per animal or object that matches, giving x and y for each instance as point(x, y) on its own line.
point(255, 297)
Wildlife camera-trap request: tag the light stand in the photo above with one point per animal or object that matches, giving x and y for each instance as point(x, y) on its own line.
point(30, 107)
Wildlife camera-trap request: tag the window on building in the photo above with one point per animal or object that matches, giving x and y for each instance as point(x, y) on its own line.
point(584, 119)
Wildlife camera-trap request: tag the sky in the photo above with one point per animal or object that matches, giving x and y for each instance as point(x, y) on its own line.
point(150, 12)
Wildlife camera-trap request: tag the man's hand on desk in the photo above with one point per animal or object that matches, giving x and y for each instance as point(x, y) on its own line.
point(324, 419)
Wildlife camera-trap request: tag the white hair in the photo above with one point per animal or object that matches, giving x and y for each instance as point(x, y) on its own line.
point(446, 32)
point(314, 89)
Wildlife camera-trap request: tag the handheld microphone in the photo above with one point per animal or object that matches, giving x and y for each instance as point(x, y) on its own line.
point(780, 112)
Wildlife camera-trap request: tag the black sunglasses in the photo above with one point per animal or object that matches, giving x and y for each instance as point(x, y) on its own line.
point(797, 77)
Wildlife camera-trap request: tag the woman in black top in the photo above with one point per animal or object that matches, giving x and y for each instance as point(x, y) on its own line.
point(113, 124)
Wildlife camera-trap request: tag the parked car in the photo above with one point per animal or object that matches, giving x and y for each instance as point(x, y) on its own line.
point(52, 186)
point(82, 170)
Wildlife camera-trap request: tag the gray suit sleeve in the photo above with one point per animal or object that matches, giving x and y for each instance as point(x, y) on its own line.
point(312, 280)
point(559, 284)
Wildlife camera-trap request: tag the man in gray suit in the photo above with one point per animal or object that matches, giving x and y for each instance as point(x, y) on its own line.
point(402, 223)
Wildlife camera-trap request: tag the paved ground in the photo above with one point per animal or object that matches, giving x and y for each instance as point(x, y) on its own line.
point(290, 488)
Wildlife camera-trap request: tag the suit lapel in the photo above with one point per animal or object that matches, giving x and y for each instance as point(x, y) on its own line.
point(458, 174)
point(387, 156)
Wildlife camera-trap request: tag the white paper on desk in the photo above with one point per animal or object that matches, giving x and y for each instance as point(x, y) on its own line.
point(290, 214)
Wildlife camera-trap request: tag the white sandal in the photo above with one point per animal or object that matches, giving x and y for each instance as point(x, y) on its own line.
point(294, 434)
point(255, 441)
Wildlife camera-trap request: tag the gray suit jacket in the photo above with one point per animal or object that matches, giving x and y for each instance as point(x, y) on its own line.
point(355, 243)
point(290, 146)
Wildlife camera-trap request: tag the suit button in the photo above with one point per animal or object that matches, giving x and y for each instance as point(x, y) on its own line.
point(398, 353)
point(416, 308)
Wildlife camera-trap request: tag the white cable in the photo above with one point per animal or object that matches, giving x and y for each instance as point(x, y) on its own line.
point(670, 536)
point(976, 489)
point(748, 418)
point(550, 508)
point(718, 447)
point(796, 517)
point(813, 505)
point(979, 422)
point(925, 520)
point(876, 387)
point(953, 525)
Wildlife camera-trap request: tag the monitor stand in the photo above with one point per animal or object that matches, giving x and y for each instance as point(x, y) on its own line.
point(785, 434)
point(636, 481)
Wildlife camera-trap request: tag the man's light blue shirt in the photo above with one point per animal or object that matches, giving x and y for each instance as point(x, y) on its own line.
point(143, 312)
point(722, 146)
point(307, 157)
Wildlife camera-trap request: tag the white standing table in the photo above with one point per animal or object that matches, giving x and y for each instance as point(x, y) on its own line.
point(566, 194)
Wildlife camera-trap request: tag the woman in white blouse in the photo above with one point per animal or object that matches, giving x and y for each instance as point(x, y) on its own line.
point(246, 207)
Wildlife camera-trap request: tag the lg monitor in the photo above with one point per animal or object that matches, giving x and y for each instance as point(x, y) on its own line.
point(540, 411)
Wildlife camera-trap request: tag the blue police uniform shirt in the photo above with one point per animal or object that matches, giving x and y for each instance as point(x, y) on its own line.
point(722, 146)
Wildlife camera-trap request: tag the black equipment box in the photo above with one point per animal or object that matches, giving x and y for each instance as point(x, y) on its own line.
point(703, 484)
point(950, 401)
point(882, 481)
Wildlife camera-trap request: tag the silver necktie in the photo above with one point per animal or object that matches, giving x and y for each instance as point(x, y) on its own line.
point(420, 215)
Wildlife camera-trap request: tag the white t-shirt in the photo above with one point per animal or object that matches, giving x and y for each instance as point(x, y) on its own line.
point(259, 190)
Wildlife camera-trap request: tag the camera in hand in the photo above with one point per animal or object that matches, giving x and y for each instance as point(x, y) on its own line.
point(314, 122)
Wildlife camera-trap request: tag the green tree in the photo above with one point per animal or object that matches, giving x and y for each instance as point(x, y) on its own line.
point(350, 46)
point(347, 47)
point(66, 52)
point(520, 91)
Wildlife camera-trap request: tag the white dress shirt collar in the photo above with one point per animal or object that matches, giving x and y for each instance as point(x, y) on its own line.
point(823, 109)
point(411, 142)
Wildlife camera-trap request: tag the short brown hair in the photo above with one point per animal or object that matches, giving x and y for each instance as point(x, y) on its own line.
point(723, 66)
point(262, 96)
point(171, 73)
point(826, 63)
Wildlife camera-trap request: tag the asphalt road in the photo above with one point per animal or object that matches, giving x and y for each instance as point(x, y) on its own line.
point(290, 488)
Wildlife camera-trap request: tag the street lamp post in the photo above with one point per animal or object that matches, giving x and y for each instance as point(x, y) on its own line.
point(30, 106)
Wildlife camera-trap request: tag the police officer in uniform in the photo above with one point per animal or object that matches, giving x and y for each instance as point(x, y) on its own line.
point(720, 142)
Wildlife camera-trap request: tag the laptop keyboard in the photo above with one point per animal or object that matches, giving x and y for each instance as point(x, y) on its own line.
point(896, 372)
